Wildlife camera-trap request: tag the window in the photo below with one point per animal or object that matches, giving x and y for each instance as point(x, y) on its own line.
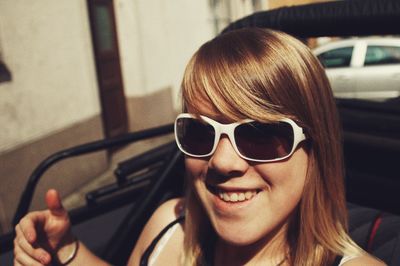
point(382, 55)
point(340, 57)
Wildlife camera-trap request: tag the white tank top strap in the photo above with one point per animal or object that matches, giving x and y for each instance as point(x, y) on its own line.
point(162, 243)
point(347, 258)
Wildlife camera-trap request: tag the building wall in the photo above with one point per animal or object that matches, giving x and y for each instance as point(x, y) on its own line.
point(47, 47)
point(52, 101)
point(272, 4)
point(157, 39)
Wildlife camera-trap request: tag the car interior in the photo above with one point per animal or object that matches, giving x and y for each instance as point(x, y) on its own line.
point(371, 133)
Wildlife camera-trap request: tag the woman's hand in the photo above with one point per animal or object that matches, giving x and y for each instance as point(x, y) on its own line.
point(42, 233)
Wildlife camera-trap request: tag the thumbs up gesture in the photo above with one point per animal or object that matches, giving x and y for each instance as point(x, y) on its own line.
point(41, 234)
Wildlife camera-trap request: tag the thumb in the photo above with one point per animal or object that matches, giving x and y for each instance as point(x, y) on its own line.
point(54, 204)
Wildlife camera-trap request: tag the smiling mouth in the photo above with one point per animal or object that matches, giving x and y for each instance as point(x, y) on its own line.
point(233, 196)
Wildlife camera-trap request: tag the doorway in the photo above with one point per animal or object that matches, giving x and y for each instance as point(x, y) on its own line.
point(108, 67)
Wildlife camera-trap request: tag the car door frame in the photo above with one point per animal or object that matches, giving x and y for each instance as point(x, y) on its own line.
point(339, 77)
point(391, 91)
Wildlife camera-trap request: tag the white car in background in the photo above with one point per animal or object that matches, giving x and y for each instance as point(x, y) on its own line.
point(363, 68)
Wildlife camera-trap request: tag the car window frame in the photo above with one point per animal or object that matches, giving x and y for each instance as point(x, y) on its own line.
point(359, 53)
point(357, 56)
point(377, 44)
point(337, 48)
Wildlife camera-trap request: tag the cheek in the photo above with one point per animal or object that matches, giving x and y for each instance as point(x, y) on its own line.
point(196, 168)
point(286, 177)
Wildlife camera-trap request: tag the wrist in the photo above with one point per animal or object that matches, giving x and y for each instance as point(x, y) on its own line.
point(67, 252)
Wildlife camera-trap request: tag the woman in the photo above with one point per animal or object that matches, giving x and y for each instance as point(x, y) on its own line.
point(264, 168)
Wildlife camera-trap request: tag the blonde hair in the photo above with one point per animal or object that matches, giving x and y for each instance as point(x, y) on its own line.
point(266, 75)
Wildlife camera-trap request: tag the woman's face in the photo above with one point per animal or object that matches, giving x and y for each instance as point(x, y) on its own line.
point(271, 191)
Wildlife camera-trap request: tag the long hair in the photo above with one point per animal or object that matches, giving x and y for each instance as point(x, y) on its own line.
point(266, 75)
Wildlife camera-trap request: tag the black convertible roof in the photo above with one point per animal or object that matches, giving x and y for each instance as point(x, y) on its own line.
point(337, 18)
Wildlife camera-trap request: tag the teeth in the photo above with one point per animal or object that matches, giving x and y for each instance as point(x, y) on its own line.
point(248, 195)
point(241, 197)
point(236, 196)
point(225, 197)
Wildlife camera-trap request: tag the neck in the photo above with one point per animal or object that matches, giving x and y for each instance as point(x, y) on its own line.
point(270, 250)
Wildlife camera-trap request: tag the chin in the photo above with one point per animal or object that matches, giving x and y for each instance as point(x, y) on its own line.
point(238, 241)
point(239, 235)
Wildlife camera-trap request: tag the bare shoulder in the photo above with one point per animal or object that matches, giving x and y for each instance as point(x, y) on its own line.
point(168, 211)
point(162, 216)
point(366, 260)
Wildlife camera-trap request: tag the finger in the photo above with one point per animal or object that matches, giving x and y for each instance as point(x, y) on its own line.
point(37, 253)
point(24, 259)
point(54, 204)
point(27, 225)
point(16, 263)
point(26, 230)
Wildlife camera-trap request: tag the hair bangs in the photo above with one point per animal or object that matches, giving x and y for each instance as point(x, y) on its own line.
point(228, 83)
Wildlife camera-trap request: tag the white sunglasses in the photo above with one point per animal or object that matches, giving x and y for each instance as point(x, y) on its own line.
point(198, 136)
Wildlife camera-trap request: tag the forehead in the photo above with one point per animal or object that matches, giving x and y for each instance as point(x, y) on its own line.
point(225, 113)
point(207, 109)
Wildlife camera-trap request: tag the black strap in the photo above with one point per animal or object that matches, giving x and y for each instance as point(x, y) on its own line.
point(337, 260)
point(146, 255)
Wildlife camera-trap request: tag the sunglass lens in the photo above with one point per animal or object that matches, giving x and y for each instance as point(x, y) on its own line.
point(264, 141)
point(195, 136)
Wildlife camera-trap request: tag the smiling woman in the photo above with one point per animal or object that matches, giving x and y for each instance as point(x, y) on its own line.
point(263, 164)
point(247, 207)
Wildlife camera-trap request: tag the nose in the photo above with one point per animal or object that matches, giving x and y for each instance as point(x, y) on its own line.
point(226, 161)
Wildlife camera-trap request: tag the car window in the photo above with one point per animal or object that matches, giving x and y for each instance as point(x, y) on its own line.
point(340, 57)
point(381, 55)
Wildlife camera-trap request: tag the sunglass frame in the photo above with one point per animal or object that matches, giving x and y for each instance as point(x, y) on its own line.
point(229, 129)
